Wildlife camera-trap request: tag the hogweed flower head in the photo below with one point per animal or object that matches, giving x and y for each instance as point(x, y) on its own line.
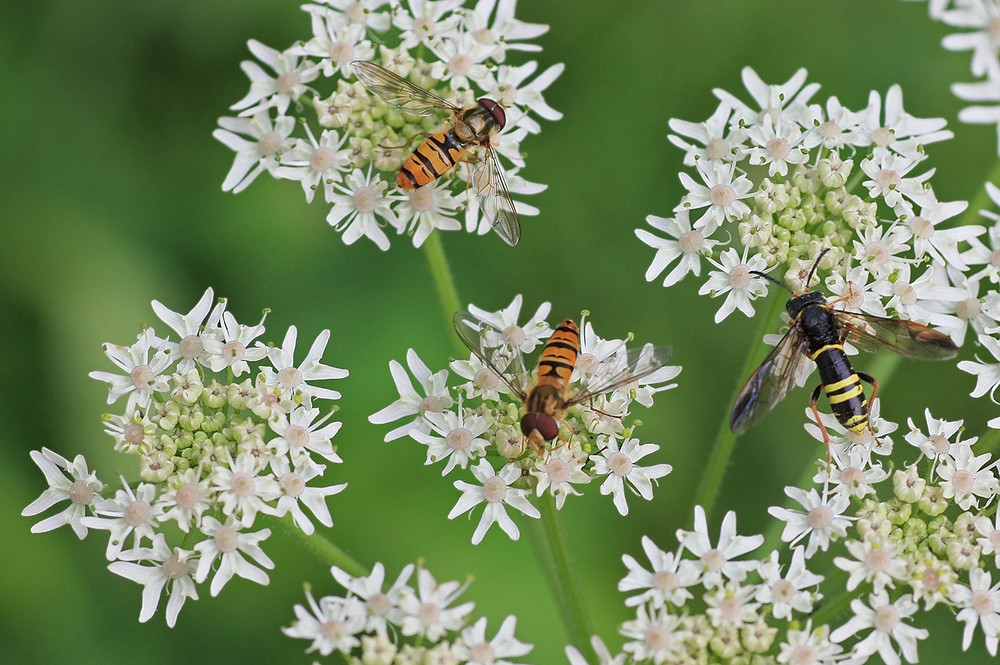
point(406, 623)
point(476, 425)
point(225, 429)
point(921, 535)
point(780, 179)
point(307, 117)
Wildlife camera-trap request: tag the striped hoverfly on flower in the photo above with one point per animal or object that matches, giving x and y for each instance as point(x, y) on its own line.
point(818, 332)
point(546, 394)
point(468, 138)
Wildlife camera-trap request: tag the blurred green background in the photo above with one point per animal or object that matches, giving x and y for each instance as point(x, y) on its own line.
point(111, 198)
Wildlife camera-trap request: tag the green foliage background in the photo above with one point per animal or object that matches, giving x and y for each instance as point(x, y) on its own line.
point(111, 198)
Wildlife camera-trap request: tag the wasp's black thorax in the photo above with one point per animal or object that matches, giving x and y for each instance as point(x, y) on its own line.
point(814, 320)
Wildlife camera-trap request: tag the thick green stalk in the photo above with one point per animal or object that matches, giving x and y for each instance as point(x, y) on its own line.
point(725, 439)
point(444, 283)
point(554, 557)
point(325, 550)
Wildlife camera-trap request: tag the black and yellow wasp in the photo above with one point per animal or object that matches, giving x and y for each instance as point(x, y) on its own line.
point(468, 137)
point(817, 332)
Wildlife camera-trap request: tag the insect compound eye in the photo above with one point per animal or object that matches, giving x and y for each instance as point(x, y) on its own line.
point(496, 110)
point(546, 425)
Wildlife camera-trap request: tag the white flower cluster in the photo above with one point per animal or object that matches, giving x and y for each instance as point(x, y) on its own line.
point(214, 453)
point(401, 624)
point(463, 426)
point(936, 539)
point(308, 119)
point(977, 20)
point(781, 179)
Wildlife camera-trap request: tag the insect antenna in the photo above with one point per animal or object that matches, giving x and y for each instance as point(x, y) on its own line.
point(812, 271)
point(775, 280)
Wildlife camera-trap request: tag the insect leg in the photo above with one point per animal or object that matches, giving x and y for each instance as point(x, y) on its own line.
point(407, 144)
point(822, 428)
point(868, 378)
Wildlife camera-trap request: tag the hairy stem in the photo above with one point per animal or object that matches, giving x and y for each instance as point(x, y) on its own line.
point(725, 439)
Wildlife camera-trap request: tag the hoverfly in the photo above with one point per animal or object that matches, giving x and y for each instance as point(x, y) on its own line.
point(547, 396)
point(818, 332)
point(470, 128)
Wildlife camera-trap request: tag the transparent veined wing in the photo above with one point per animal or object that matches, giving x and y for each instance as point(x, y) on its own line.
point(494, 198)
point(491, 346)
point(771, 382)
point(878, 334)
point(623, 370)
point(394, 89)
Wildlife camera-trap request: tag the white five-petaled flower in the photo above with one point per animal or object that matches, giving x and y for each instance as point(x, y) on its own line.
point(618, 462)
point(189, 328)
point(459, 438)
point(495, 491)
point(332, 624)
point(298, 433)
point(267, 141)
point(143, 375)
point(790, 591)
point(473, 648)
point(656, 635)
point(289, 83)
point(436, 398)
point(721, 193)
point(821, 520)
point(296, 492)
point(735, 277)
point(128, 513)
point(171, 567)
point(719, 561)
point(68, 481)
point(286, 375)
point(557, 472)
point(226, 541)
point(886, 621)
point(381, 605)
point(425, 612)
point(232, 349)
point(667, 582)
point(876, 561)
point(689, 245)
point(980, 605)
point(358, 204)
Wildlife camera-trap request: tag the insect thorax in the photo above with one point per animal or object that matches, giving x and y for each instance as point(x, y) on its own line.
point(477, 123)
point(544, 398)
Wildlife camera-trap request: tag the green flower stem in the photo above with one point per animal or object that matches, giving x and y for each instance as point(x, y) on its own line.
point(554, 556)
point(444, 283)
point(324, 550)
point(838, 605)
point(725, 439)
point(551, 546)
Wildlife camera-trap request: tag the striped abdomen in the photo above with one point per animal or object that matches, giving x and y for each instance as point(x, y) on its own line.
point(555, 367)
point(842, 387)
point(431, 160)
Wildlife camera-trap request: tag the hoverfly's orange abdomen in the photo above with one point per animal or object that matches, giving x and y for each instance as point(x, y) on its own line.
point(555, 367)
point(434, 157)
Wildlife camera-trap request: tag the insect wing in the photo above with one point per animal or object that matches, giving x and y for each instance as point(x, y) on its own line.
point(879, 334)
point(627, 367)
point(494, 198)
point(489, 345)
point(780, 372)
point(394, 89)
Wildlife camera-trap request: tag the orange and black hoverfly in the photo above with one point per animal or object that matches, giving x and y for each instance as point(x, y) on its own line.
point(471, 128)
point(547, 395)
point(817, 332)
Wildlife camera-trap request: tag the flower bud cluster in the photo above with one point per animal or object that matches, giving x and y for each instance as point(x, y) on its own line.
point(310, 120)
point(781, 179)
point(215, 452)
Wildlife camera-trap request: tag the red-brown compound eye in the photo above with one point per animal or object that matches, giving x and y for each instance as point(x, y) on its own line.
point(546, 425)
point(496, 110)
